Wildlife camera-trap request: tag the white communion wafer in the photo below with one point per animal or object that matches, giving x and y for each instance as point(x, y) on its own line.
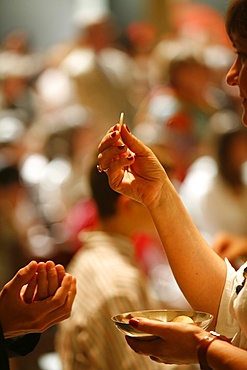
point(121, 121)
point(184, 319)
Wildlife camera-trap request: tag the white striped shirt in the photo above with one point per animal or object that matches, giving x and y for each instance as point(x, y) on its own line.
point(108, 283)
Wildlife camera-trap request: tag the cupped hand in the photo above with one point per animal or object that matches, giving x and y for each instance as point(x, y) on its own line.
point(31, 303)
point(176, 343)
point(46, 281)
point(131, 166)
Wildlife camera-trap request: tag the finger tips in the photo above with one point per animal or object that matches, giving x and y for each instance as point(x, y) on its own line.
point(33, 265)
point(24, 274)
point(67, 279)
point(41, 267)
point(50, 263)
point(144, 325)
point(109, 139)
point(60, 268)
point(42, 286)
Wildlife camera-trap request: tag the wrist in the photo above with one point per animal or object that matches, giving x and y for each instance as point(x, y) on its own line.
point(204, 345)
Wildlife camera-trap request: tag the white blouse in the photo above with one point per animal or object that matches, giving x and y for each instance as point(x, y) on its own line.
point(232, 317)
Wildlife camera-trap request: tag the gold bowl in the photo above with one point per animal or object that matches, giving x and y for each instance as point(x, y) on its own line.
point(121, 321)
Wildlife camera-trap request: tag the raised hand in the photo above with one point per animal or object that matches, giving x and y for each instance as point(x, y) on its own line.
point(46, 281)
point(132, 168)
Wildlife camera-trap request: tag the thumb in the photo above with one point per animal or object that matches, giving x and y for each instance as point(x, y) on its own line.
point(23, 276)
point(133, 143)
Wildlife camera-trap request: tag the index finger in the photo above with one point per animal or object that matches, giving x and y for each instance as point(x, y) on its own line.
point(111, 137)
point(157, 328)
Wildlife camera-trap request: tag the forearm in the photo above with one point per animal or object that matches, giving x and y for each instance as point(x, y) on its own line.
point(199, 271)
point(216, 356)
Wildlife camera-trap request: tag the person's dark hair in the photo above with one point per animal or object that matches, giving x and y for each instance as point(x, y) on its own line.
point(230, 172)
point(181, 62)
point(236, 19)
point(9, 175)
point(104, 197)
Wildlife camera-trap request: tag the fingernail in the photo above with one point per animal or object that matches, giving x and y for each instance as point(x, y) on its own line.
point(134, 322)
point(113, 134)
point(130, 158)
point(115, 128)
point(127, 128)
point(121, 146)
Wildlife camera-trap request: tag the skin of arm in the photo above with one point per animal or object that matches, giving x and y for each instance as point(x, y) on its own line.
point(38, 296)
point(177, 344)
point(199, 271)
point(216, 356)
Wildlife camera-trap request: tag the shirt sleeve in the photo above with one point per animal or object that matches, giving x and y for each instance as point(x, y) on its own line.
point(226, 324)
point(21, 346)
point(4, 361)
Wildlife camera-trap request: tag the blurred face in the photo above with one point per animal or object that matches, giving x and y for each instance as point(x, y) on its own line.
point(191, 80)
point(237, 75)
point(13, 87)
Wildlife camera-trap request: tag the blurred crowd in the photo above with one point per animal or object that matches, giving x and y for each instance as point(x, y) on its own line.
point(56, 104)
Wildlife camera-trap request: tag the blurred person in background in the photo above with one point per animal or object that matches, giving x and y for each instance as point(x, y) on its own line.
point(12, 198)
point(54, 173)
point(100, 68)
point(41, 177)
point(199, 21)
point(16, 92)
point(109, 282)
point(185, 94)
point(138, 40)
point(17, 41)
point(18, 217)
point(231, 246)
point(214, 190)
point(19, 66)
point(13, 131)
